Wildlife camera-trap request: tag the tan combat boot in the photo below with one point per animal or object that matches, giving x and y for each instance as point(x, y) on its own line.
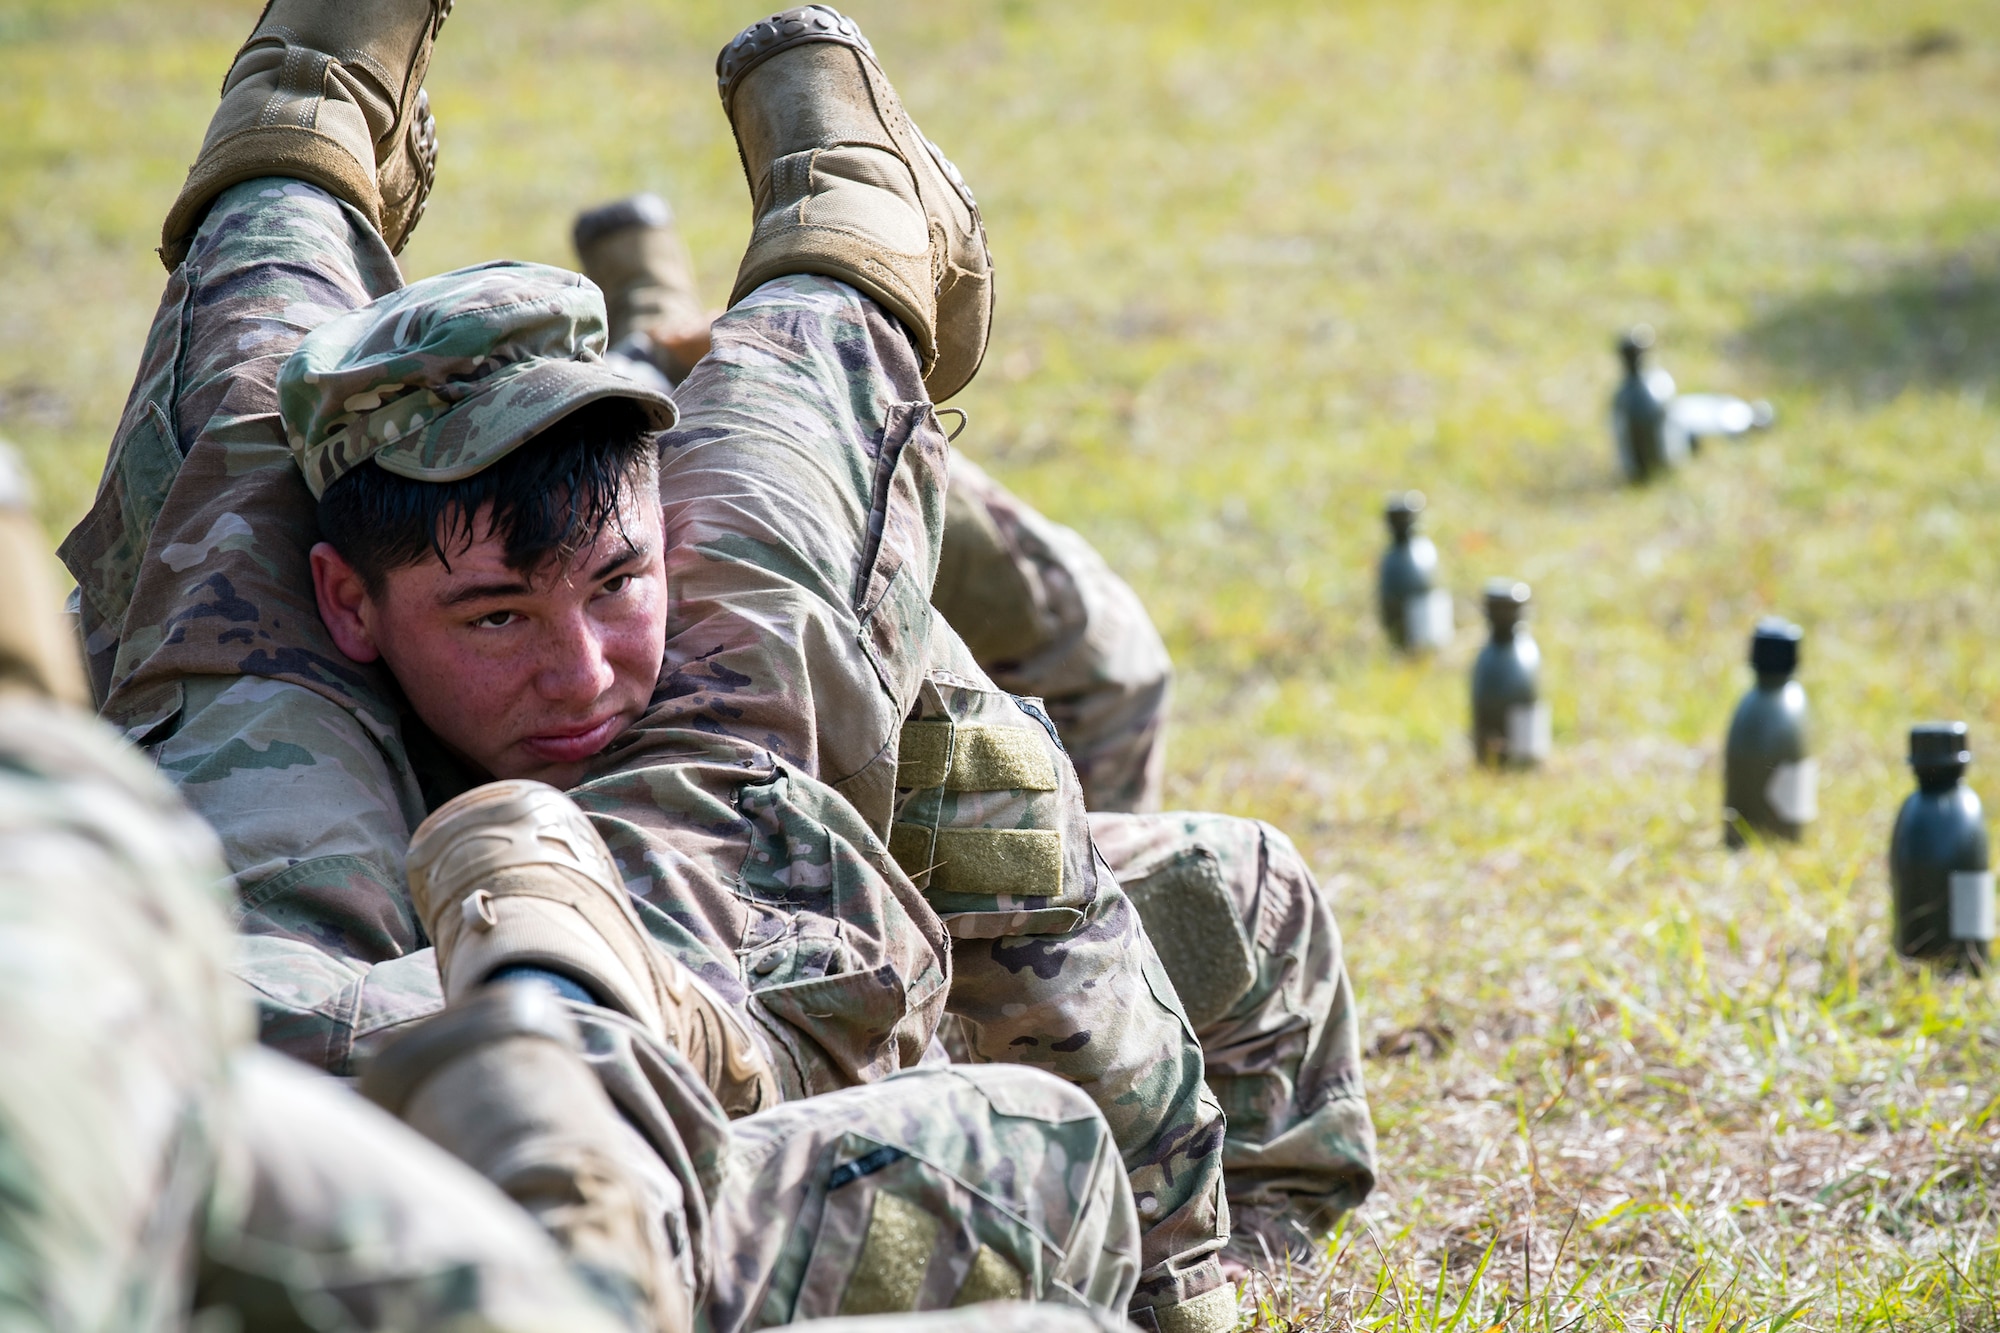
point(513, 874)
point(328, 92)
point(844, 185)
point(633, 251)
point(500, 1084)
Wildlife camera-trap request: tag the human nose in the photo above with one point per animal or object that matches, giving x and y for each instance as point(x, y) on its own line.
point(576, 667)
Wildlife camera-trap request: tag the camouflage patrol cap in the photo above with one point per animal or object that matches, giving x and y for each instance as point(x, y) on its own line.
point(446, 377)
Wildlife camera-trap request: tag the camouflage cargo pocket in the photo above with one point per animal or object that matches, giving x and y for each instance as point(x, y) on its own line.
point(857, 1018)
point(806, 893)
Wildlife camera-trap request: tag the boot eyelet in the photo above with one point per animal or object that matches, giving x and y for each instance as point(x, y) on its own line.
point(478, 910)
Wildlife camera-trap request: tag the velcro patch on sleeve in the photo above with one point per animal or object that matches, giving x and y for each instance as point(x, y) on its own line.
point(991, 1278)
point(1022, 863)
point(1001, 759)
point(890, 1272)
point(911, 846)
point(974, 758)
point(923, 755)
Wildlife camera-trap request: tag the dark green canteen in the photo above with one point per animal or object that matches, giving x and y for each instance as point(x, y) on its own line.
point(1943, 890)
point(1639, 412)
point(1415, 612)
point(1770, 781)
point(1510, 721)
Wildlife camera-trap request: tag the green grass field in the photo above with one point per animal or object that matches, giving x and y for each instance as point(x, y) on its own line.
point(1261, 263)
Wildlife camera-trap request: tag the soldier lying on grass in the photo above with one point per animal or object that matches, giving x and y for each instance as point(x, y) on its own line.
point(799, 823)
point(161, 1173)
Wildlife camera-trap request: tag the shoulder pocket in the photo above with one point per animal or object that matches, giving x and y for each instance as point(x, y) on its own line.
point(148, 715)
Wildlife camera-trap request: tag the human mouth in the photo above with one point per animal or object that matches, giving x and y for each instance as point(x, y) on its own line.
point(574, 746)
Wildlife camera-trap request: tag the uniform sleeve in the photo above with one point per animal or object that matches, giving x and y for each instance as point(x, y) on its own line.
point(314, 814)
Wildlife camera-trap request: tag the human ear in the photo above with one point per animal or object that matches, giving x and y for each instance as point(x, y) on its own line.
point(344, 604)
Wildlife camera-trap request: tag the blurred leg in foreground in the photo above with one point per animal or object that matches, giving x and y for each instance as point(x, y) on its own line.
point(153, 1161)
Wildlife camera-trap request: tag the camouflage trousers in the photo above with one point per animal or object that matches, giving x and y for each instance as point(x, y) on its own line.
point(1249, 938)
point(151, 1163)
point(1047, 618)
point(750, 808)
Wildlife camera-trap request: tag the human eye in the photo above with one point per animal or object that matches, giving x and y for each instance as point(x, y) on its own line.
point(616, 584)
point(496, 620)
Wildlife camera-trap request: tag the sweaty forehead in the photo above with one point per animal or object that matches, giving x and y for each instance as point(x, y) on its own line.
point(479, 565)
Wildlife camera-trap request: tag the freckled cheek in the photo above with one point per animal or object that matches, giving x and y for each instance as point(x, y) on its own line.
point(633, 647)
point(463, 686)
point(486, 678)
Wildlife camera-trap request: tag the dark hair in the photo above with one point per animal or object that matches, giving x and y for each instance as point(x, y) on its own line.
point(550, 498)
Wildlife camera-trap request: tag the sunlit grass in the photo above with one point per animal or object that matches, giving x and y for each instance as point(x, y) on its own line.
point(1260, 264)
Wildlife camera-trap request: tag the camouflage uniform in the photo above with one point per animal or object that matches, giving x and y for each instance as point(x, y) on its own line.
point(762, 817)
point(151, 1163)
point(1039, 608)
point(1047, 618)
point(749, 808)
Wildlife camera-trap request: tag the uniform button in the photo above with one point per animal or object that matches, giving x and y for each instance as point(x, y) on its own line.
point(766, 964)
